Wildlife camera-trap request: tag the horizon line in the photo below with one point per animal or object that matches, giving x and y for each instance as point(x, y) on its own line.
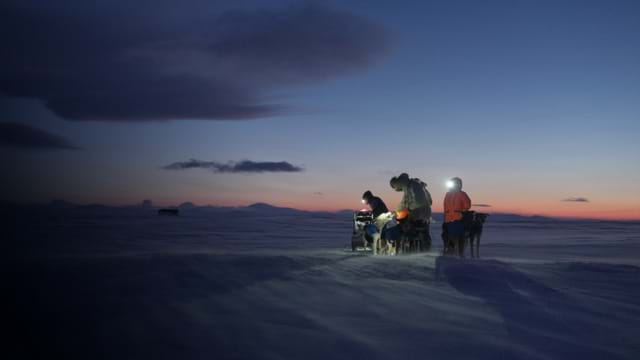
point(140, 204)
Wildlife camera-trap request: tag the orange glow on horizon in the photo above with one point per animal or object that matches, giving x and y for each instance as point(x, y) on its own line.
point(606, 213)
point(603, 207)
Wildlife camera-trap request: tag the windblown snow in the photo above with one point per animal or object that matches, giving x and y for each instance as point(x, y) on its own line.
point(268, 283)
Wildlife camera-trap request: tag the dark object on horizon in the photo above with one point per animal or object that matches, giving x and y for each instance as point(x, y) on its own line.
point(187, 206)
point(169, 212)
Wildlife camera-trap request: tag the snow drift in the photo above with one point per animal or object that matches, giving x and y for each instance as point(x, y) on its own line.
point(261, 283)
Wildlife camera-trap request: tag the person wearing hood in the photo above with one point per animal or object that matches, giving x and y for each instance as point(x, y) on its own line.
point(455, 203)
point(416, 202)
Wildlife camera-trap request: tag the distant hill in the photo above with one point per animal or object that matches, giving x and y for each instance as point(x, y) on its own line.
point(269, 209)
point(505, 217)
point(61, 204)
point(187, 206)
point(256, 209)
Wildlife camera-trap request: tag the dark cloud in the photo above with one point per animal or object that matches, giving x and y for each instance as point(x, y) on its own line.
point(17, 135)
point(191, 164)
point(576, 199)
point(159, 60)
point(481, 205)
point(245, 166)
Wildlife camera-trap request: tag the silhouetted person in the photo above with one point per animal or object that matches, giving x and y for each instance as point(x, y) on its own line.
point(455, 203)
point(380, 214)
point(376, 204)
point(415, 205)
point(415, 198)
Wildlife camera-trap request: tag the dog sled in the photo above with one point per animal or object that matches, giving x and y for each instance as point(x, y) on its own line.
point(396, 237)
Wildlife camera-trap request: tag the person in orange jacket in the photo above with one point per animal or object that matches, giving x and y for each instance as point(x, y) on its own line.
point(455, 203)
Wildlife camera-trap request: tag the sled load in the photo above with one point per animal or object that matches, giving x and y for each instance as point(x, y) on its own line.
point(360, 240)
point(393, 235)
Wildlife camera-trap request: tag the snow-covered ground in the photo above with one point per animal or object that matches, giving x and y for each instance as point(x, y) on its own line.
point(263, 283)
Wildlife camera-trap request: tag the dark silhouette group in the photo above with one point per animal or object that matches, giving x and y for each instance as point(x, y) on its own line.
point(407, 228)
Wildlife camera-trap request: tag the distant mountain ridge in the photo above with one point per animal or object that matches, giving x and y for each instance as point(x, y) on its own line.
point(267, 210)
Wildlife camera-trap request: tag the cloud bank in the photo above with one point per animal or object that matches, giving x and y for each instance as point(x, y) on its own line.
point(245, 166)
point(15, 135)
point(170, 60)
point(576, 199)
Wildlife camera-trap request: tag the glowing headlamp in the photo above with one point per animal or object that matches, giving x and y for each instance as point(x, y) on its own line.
point(450, 184)
point(364, 201)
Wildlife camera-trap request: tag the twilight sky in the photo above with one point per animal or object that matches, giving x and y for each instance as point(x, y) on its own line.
point(534, 104)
